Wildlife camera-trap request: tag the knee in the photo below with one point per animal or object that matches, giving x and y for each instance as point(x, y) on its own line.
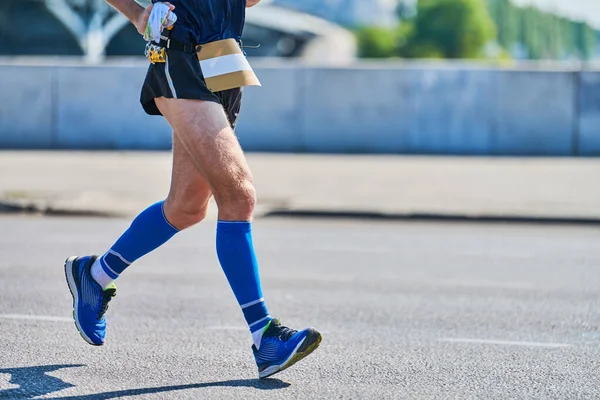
point(183, 215)
point(238, 201)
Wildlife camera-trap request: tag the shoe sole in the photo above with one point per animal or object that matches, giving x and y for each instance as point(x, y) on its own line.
point(75, 294)
point(298, 354)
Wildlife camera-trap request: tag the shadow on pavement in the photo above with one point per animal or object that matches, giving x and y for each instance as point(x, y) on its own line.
point(267, 384)
point(434, 217)
point(34, 382)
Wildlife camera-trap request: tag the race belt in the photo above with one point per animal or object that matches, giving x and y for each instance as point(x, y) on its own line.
point(224, 66)
point(222, 62)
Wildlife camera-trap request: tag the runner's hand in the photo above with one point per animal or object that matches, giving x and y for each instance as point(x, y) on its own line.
point(142, 25)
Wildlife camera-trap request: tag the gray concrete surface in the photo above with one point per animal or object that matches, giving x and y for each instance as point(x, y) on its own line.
point(408, 310)
point(26, 115)
point(589, 113)
point(126, 183)
point(527, 98)
point(422, 108)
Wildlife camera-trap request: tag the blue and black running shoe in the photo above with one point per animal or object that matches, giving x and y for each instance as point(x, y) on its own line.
point(90, 302)
point(281, 347)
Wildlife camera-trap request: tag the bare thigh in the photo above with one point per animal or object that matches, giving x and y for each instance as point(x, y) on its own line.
point(189, 194)
point(203, 129)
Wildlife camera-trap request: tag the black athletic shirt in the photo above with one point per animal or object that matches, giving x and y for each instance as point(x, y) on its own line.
point(204, 21)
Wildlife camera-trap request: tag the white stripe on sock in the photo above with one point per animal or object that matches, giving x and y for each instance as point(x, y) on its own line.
point(105, 265)
point(259, 321)
point(99, 275)
point(252, 303)
point(114, 253)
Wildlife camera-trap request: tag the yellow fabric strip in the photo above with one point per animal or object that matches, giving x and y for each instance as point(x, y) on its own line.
point(218, 49)
point(232, 80)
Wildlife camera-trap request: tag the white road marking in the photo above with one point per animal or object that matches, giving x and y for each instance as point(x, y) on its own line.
point(36, 317)
point(505, 342)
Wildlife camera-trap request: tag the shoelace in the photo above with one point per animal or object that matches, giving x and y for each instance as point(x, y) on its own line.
point(104, 304)
point(284, 333)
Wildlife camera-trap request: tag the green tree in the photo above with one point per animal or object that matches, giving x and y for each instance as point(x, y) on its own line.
point(507, 19)
point(543, 35)
point(585, 38)
point(376, 42)
point(450, 29)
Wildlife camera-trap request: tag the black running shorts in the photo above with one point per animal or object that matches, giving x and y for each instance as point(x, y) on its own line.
point(180, 77)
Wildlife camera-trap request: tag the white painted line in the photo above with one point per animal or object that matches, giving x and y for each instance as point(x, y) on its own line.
point(36, 317)
point(505, 343)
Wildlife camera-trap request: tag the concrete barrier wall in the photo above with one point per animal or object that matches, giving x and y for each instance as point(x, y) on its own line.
point(360, 109)
point(27, 107)
point(271, 118)
point(535, 113)
point(399, 111)
point(589, 114)
point(105, 112)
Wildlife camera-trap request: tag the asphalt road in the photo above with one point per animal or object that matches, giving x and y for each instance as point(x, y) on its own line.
point(408, 310)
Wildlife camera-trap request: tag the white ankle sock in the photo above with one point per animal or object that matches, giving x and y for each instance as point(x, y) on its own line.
point(99, 275)
point(257, 337)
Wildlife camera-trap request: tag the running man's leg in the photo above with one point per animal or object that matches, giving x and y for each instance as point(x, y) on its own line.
point(189, 195)
point(91, 279)
point(205, 131)
point(185, 206)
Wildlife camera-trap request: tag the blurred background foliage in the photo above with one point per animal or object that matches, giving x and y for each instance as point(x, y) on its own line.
point(473, 29)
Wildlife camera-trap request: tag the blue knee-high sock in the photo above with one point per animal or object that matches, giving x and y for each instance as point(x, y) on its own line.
point(236, 255)
point(148, 231)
